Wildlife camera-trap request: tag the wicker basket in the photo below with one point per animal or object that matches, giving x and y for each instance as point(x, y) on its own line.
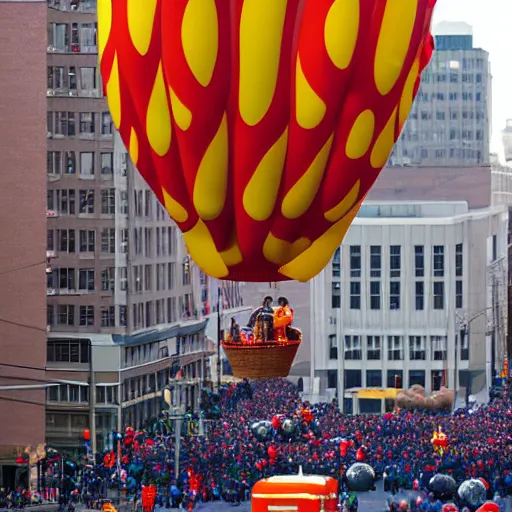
point(261, 361)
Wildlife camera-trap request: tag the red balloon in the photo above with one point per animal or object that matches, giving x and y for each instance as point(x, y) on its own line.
point(262, 152)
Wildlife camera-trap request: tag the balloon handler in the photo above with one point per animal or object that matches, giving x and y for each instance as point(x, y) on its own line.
point(267, 345)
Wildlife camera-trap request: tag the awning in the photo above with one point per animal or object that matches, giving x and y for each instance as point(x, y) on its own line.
point(376, 393)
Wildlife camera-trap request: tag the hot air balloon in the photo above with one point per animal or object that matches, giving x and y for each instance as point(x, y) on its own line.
point(262, 124)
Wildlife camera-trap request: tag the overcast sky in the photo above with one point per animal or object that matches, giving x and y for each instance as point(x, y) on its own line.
point(492, 30)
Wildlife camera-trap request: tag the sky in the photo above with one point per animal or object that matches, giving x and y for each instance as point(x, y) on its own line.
point(492, 31)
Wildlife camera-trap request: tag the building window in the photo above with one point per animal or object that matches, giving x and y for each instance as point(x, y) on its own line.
point(186, 272)
point(394, 295)
point(419, 260)
point(373, 378)
point(86, 164)
point(106, 123)
point(353, 379)
point(70, 161)
point(123, 312)
point(336, 263)
point(355, 295)
point(66, 278)
point(458, 294)
point(67, 241)
point(86, 279)
point(417, 348)
point(108, 279)
point(394, 261)
point(86, 201)
point(123, 284)
point(375, 260)
point(353, 350)
point(65, 314)
point(438, 261)
point(438, 295)
point(336, 295)
point(87, 123)
point(108, 240)
point(332, 379)
point(86, 314)
point(108, 201)
point(420, 295)
point(395, 348)
point(394, 379)
point(54, 162)
point(66, 202)
point(464, 346)
point(439, 348)
point(458, 260)
point(171, 275)
point(87, 240)
point(171, 310)
point(148, 272)
point(107, 163)
point(417, 378)
point(355, 261)
point(333, 347)
point(374, 295)
point(50, 240)
point(373, 348)
point(108, 316)
point(88, 79)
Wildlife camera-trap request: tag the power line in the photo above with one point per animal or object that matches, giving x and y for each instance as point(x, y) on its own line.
point(26, 326)
point(23, 268)
point(22, 367)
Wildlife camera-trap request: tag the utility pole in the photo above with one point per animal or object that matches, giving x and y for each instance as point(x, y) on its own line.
point(92, 403)
point(219, 336)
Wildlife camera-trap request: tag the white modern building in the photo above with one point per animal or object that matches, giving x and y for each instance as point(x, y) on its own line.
point(416, 294)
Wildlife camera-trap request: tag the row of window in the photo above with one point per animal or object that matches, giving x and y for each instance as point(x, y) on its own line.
point(80, 394)
point(374, 378)
point(69, 80)
point(64, 124)
point(137, 387)
point(395, 261)
point(145, 314)
point(374, 297)
point(64, 201)
point(84, 163)
point(85, 316)
point(164, 243)
point(68, 351)
point(417, 155)
point(147, 353)
point(373, 349)
point(73, 37)
point(73, 5)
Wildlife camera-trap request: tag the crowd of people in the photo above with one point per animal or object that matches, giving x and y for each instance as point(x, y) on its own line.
point(226, 462)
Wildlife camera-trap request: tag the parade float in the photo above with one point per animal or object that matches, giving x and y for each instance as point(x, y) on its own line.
point(298, 493)
point(416, 398)
point(267, 346)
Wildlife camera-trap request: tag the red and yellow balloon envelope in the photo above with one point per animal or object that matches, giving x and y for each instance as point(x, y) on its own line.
point(262, 124)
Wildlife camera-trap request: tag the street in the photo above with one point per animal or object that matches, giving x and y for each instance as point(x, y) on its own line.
point(368, 502)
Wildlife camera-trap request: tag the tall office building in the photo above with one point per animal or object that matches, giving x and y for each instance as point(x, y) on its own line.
point(22, 258)
point(121, 293)
point(449, 123)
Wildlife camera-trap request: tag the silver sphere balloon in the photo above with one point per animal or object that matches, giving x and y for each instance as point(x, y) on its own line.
point(288, 426)
point(472, 492)
point(442, 485)
point(360, 476)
